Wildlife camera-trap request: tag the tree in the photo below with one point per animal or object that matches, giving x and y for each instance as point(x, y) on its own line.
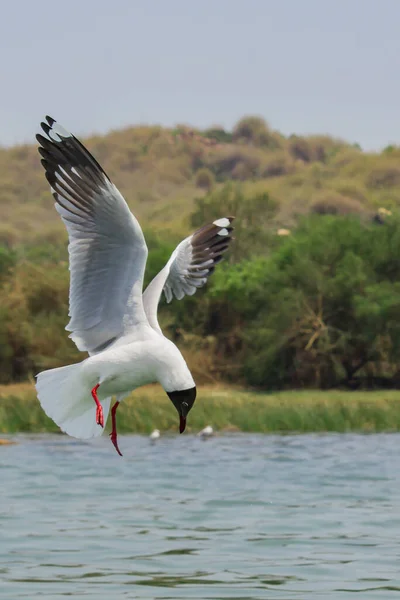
point(323, 309)
point(254, 130)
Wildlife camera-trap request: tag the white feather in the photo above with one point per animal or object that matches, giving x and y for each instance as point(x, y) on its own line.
point(107, 251)
point(184, 272)
point(66, 398)
point(224, 222)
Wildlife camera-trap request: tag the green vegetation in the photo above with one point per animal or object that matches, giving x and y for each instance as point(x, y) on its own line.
point(226, 409)
point(160, 171)
point(309, 295)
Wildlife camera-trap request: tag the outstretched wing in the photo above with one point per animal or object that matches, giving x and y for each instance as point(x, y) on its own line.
point(107, 249)
point(189, 267)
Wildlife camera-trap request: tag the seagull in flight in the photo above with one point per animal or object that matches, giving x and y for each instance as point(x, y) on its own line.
point(110, 317)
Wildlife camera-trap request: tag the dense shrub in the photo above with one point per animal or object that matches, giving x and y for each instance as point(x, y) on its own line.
point(204, 179)
point(254, 217)
point(8, 260)
point(331, 203)
point(300, 148)
point(235, 163)
point(218, 134)
point(323, 308)
point(277, 164)
point(254, 130)
point(352, 189)
point(384, 176)
point(316, 148)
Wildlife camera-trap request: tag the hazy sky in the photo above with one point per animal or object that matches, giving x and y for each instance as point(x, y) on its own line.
point(307, 66)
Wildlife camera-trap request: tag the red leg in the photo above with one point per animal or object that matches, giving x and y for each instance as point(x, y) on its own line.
point(113, 434)
point(99, 409)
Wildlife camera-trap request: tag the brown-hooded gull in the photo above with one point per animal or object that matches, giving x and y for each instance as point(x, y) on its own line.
point(110, 317)
point(206, 432)
point(155, 435)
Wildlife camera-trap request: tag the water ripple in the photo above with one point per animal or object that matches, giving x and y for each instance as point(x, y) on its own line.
point(249, 517)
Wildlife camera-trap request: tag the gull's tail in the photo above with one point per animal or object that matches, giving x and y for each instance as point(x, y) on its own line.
point(67, 400)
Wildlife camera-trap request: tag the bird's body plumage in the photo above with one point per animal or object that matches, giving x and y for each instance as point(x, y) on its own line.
point(126, 366)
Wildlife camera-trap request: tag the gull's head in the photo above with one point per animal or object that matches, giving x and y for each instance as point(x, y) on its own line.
point(183, 401)
point(174, 376)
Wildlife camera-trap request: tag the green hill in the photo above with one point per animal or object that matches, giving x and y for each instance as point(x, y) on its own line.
point(309, 295)
point(161, 171)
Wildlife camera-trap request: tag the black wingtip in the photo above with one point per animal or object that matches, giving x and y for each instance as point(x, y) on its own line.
point(39, 138)
point(50, 120)
point(218, 259)
point(46, 128)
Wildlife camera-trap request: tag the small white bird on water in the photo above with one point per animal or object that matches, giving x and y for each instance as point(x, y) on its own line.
point(206, 432)
point(154, 435)
point(111, 318)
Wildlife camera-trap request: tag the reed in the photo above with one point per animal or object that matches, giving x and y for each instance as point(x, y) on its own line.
point(225, 409)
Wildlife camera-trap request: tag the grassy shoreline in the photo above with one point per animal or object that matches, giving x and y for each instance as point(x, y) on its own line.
point(225, 408)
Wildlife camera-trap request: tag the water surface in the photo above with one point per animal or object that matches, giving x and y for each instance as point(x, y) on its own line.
point(235, 517)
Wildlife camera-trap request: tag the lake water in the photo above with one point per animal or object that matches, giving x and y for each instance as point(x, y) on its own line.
point(234, 517)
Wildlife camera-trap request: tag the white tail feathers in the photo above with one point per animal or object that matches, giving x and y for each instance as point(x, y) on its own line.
point(67, 400)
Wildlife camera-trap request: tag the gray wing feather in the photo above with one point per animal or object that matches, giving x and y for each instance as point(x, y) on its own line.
point(189, 267)
point(107, 249)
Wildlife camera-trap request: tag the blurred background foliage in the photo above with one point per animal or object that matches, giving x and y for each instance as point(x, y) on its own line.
point(309, 295)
